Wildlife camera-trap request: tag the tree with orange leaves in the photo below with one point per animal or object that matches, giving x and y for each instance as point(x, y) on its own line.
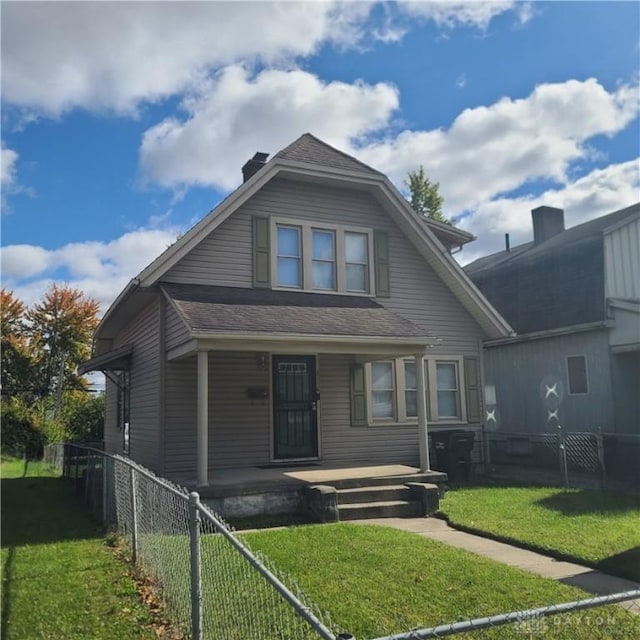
point(60, 328)
point(18, 365)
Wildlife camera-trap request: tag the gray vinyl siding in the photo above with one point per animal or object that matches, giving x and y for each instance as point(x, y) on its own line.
point(342, 442)
point(224, 257)
point(176, 330)
point(625, 374)
point(112, 435)
point(622, 261)
point(383, 444)
point(517, 371)
point(144, 432)
point(239, 428)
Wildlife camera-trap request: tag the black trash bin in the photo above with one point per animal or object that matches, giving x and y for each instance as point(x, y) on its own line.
point(453, 453)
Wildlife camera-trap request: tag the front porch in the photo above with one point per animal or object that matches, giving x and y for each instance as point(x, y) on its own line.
point(249, 491)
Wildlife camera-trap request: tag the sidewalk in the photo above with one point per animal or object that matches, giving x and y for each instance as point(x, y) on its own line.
point(586, 578)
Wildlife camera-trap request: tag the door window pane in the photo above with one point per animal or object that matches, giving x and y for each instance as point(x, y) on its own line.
point(289, 257)
point(382, 385)
point(323, 260)
point(356, 261)
point(447, 389)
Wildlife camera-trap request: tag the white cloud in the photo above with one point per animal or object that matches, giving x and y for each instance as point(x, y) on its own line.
point(490, 150)
point(599, 192)
point(113, 55)
point(237, 115)
point(449, 14)
point(8, 159)
point(99, 269)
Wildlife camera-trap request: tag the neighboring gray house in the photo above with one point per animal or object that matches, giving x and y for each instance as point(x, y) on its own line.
point(573, 297)
point(284, 328)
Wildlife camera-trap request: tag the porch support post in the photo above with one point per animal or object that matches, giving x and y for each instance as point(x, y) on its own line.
point(203, 419)
point(421, 393)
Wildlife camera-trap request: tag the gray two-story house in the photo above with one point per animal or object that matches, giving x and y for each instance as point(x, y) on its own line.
point(312, 319)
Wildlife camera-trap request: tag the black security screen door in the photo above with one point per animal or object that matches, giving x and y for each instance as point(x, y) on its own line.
point(295, 425)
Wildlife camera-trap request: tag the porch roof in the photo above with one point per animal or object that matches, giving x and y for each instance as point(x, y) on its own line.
point(213, 310)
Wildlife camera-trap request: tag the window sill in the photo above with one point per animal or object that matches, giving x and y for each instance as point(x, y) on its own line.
point(325, 292)
point(414, 423)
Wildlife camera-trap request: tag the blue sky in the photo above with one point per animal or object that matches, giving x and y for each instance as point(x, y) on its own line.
point(124, 123)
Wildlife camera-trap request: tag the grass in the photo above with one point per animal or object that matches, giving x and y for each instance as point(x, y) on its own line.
point(597, 528)
point(59, 581)
point(377, 581)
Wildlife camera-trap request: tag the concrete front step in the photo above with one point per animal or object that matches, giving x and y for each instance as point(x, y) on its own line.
point(382, 509)
point(374, 494)
point(353, 483)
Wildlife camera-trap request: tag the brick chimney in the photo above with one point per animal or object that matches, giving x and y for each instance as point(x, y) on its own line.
point(254, 165)
point(547, 222)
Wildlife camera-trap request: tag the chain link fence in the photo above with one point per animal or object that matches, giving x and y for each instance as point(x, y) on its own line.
point(569, 454)
point(212, 584)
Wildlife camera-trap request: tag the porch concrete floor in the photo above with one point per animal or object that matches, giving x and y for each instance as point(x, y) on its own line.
point(238, 481)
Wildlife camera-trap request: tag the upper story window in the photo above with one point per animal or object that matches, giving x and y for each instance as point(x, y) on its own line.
point(323, 259)
point(328, 258)
point(289, 257)
point(356, 249)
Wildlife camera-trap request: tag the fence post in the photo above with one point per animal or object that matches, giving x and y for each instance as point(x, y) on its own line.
point(134, 516)
point(196, 577)
point(105, 462)
point(562, 452)
point(603, 468)
point(87, 479)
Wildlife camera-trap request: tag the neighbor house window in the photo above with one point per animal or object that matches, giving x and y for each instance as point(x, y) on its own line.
point(382, 390)
point(447, 390)
point(577, 374)
point(328, 258)
point(323, 259)
point(356, 246)
point(289, 257)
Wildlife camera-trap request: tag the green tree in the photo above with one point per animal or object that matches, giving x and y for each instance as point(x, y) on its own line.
point(17, 364)
point(425, 196)
point(44, 398)
point(60, 328)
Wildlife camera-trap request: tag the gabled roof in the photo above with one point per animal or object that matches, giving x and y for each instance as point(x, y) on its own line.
point(307, 148)
point(531, 251)
point(311, 159)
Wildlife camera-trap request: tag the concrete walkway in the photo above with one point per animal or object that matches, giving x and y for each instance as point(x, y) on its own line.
point(585, 578)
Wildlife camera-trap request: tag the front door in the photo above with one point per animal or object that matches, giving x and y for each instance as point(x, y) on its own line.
point(295, 424)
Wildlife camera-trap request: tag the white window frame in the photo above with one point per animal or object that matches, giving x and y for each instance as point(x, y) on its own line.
point(299, 258)
point(586, 374)
point(432, 369)
point(400, 409)
point(394, 394)
point(307, 228)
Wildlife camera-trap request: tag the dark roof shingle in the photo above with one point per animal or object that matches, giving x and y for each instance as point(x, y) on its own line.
point(211, 309)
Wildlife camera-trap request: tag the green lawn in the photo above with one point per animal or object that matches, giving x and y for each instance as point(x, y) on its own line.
point(376, 581)
point(59, 581)
point(598, 528)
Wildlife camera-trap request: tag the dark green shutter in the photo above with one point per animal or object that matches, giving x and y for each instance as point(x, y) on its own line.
point(358, 395)
point(472, 389)
point(261, 258)
point(381, 258)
